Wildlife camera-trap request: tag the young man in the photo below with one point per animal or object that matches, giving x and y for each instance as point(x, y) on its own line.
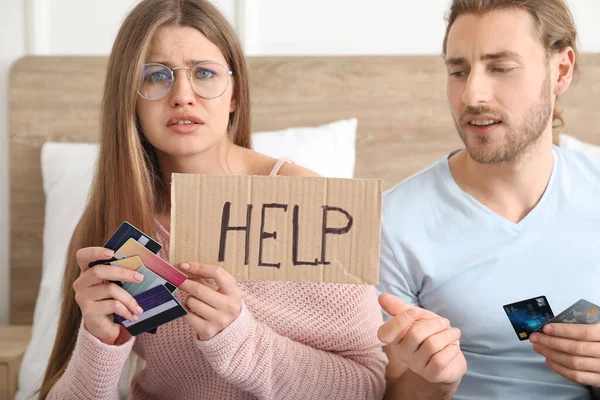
point(507, 218)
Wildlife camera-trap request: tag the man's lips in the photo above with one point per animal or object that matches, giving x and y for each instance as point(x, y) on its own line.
point(485, 127)
point(481, 120)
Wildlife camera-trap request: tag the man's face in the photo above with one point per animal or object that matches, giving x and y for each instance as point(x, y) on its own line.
point(499, 84)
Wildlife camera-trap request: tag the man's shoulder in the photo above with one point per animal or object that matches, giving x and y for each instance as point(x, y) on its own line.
point(419, 187)
point(580, 165)
point(580, 158)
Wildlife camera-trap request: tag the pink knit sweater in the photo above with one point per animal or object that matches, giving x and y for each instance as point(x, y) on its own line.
point(292, 340)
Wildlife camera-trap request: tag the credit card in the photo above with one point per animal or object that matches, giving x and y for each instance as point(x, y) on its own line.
point(151, 261)
point(527, 316)
point(582, 312)
point(135, 264)
point(132, 263)
point(159, 307)
point(151, 280)
point(125, 232)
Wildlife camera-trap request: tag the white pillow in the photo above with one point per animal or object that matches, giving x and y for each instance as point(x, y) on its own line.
point(67, 172)
point(569, 142)
point(329, 150)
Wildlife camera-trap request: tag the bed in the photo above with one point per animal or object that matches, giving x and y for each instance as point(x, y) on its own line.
point(399, 103)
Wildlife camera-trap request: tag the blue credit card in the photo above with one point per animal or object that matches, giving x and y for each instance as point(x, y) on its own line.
point(125, 232)
point(527, 316)
point(159, 307)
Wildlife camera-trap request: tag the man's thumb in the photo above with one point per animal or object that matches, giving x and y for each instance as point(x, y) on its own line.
point(392, 304)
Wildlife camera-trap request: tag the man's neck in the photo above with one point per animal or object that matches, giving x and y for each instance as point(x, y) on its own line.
point(513, 189)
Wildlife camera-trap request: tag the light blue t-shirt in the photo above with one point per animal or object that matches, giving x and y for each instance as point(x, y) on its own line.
point(443, 250)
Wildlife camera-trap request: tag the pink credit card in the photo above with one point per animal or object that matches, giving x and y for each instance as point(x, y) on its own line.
point(153, 262)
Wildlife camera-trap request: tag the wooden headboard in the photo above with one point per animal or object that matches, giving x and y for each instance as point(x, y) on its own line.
point(400, 102)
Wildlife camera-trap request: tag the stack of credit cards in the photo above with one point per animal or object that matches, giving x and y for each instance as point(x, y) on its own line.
point(528, 316)
point(137, 251)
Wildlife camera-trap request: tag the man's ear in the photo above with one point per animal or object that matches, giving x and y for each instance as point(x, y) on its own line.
point(566, 67)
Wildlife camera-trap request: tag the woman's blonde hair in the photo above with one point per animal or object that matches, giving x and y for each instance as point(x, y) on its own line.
point(126, 159)
point(553, 22)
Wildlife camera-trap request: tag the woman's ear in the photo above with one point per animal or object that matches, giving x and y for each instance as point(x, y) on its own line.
point(232, 103)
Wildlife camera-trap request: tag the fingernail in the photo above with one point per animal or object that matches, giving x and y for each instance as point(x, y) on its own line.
point(139, 310)
point(185, 266)
point(138, 277)
point(548, 329)
point(456, 330)
point(135, 317)
point(108, 253)
point(412, 313)
point(534, 338)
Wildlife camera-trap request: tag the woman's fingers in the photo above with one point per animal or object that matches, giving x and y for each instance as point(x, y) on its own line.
point(113, 291)
point(106, 308)
point(100, 273)
point(90, 254)
point(225, 282)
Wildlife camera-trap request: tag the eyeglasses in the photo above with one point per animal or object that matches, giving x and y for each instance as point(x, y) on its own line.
point(209, 80)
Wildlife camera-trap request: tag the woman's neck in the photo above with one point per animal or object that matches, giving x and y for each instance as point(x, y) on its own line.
point(224, 158)
point(214, 161)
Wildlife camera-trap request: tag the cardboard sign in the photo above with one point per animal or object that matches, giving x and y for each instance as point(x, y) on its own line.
point(278, 228)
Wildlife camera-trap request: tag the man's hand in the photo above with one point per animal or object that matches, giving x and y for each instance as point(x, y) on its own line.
point(425, 342)
point(571, 350)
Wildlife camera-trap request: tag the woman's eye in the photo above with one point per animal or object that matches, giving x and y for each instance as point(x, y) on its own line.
point(159, 76)
point(204, 73)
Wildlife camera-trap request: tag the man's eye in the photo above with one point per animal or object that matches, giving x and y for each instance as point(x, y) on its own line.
point(501, 70)
point(457, 74)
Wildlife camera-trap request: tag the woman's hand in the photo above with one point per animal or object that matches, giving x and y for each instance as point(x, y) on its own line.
point(212, 309)
point(98, 298)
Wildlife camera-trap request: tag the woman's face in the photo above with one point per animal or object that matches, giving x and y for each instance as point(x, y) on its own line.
point(183, 123)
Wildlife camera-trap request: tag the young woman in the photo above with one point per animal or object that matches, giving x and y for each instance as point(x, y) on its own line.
point(176, 100)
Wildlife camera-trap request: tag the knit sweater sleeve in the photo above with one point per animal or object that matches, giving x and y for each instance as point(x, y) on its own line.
point(93, 371)
point(346, 363)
